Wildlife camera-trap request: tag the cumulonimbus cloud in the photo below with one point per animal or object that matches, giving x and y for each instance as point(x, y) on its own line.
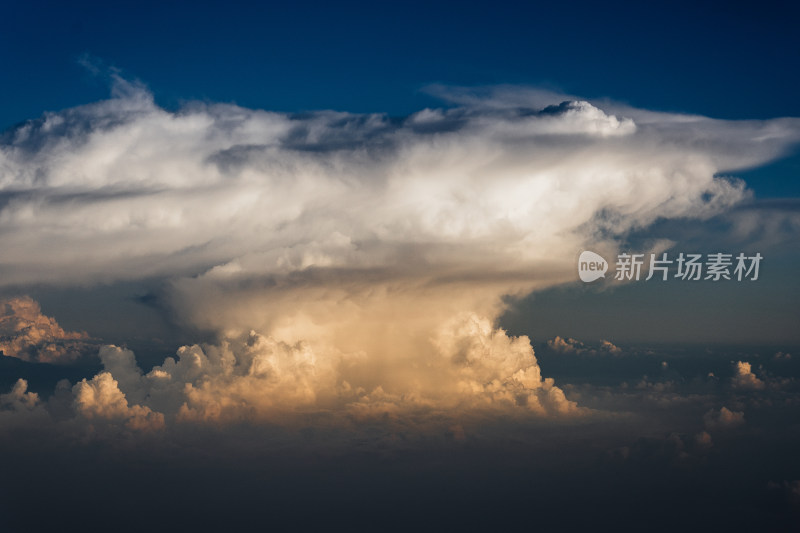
point(349, 260)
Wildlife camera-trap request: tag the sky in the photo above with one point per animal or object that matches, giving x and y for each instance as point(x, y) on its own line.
point(325, 261)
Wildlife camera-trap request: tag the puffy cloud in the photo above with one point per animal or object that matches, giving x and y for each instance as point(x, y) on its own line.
point(703, 439)
point(475, 367)
point(461, 368)
point(493, 367)
point(723, 418)
point(574, 346)
point(19, 398)
point(567, 345)
point(27, 334)
point(101, 399)
point(745, 378)
point(609, 347)
point(22, 408)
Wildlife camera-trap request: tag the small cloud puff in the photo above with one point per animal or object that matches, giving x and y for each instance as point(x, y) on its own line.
point(19, 399)
point(27, 334)
point(568, 345)
point(703, 439)
point(581, 117)
point(22, 408)
point(745, 378)
point(574, 346)
point(724, 418)
point(100, 399)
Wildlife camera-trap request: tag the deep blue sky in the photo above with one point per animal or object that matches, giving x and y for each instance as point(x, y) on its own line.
point(727, 61)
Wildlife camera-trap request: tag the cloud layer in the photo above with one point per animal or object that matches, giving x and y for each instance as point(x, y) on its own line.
point(121, 189)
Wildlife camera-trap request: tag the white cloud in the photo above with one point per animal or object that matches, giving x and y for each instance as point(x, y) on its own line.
point(122, 189)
